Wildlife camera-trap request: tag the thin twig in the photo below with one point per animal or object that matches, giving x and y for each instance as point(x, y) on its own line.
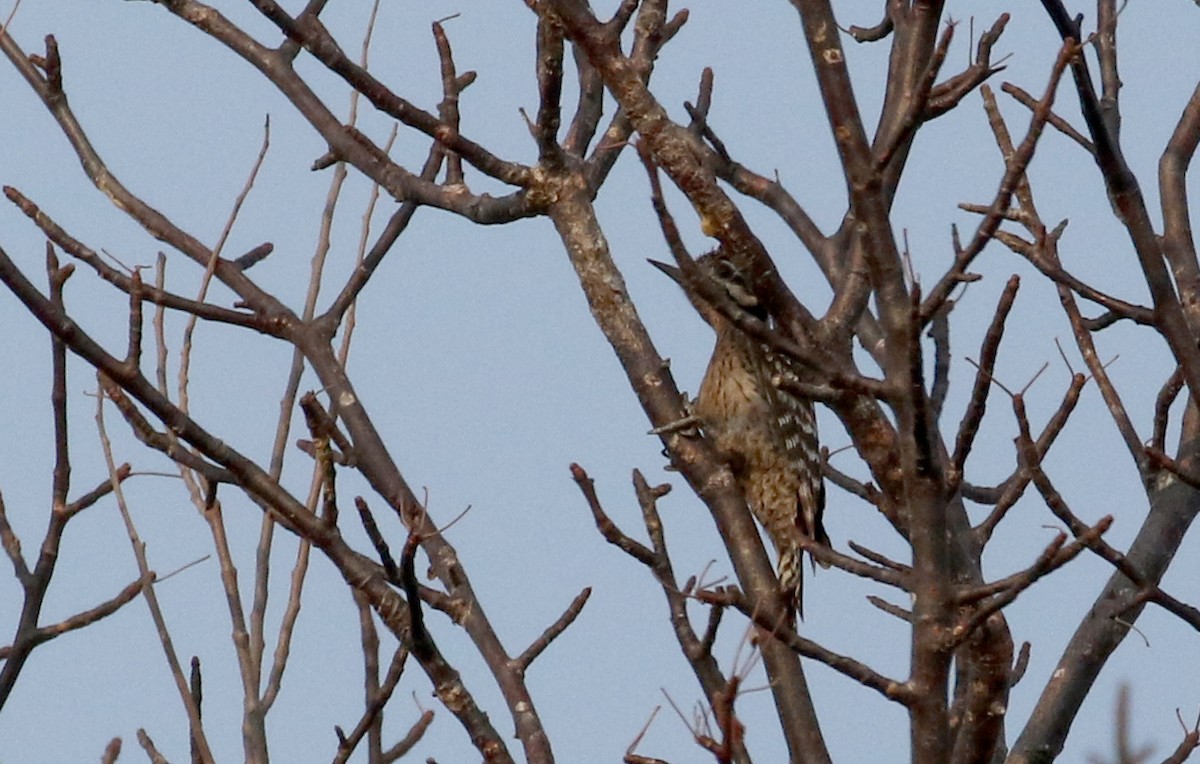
point(552, 631)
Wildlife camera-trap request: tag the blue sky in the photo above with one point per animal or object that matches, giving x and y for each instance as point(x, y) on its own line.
point(478, 358)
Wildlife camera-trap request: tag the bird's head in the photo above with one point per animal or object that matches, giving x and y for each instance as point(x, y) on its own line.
point(720, 270)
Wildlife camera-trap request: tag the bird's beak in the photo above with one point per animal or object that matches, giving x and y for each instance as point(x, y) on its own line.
point(671, 271)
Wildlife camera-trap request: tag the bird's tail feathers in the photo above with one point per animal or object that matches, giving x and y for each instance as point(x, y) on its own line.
point(791, 579)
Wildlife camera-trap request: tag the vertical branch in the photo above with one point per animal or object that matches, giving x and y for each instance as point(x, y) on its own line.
point(589, 108)
point(248, 651)
point(253, 711)
point(650, 379)
point(373, 725)
point(58, 386)
point(869, 208)
point(549, 76)
point(982, 706)
point(1105, 41)
point(210, 268)
point(377, 696)
point(968, 426)
point(196, 684)
point(195, 727)
point(448, 108)
point(36, 582)
point(133, 355)
point(1178, 242)
point(926, 508)
point(939, 332)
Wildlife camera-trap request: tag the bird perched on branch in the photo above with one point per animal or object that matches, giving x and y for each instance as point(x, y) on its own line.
point(768, 435)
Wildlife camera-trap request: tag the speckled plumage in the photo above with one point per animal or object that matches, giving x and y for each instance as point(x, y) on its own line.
point(768, 435)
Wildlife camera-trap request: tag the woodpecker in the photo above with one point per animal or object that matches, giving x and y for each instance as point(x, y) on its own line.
point(767, 435)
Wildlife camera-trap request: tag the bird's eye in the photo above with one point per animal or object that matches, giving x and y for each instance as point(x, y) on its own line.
point(725, 270)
